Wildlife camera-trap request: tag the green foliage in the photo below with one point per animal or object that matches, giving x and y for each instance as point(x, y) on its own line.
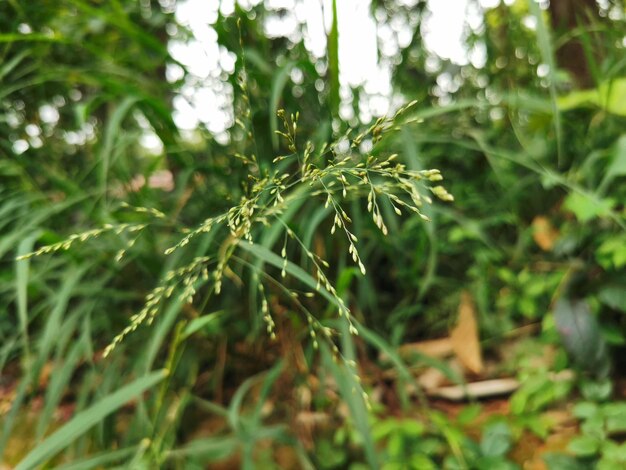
point(600, 423)
point(317, 234)
point(411, 443)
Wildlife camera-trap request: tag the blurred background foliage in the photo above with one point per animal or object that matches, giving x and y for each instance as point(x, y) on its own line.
point(531, 140)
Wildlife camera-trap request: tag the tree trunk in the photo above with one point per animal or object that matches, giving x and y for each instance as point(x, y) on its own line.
point(566, 15)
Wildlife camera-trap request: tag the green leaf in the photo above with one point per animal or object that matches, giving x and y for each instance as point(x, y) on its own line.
point(610, 96)
point(586, 207)
point(557, 461)
point(330, 456)
point(422, 462)
point(617, 166)
point(495, 463)
point(412, 428)
point(496, 440)
point(613, 336)
point(395, 446)
point(594, 427)
point(86, 419)
point(469, 414)
point(581, 335)
point(615, 414)
point(614, 297)
point(614, 451)
point(382, 429)
point(596, 390)
point(614, 409)
point(584, 446)
point(519, 402)
point(585, 409)
point(612, 252)
point(577, 99)
point(616, 424)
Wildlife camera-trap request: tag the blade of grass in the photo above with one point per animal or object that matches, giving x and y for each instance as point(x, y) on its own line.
point(296, 271)
point(102, 460)
point(312, 223)
point(254, 431)
point(82, 422)
point(82, 395)
point(172, 310)
point(54, 322)
point(53, 326)
point(270, 378)
point(14, 62)
point(269, 239)
point(352, 394)
point(210, 449)
point(15, 37)
point(111, 134)
point(199, 323)
point(120, 19)
point(62, 373)
point(547, 54)
point(159, 332)
point(34, 220)
point(21, 288)
point(211, 407)
point(138, 461)
point(414, 162)
point(278, 85)
point(234, 409)
point(6, 351)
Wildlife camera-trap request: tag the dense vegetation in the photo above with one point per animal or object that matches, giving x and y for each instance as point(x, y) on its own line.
point(307, 284)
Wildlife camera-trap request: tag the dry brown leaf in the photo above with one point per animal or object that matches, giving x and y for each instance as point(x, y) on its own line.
point(544, 233)
point(438, 348)
point(431, 378)
point(464, 336)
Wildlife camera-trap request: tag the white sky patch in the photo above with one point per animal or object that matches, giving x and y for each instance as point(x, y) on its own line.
point(207, 99)
point(315, 39)
point(446, 26)
point(443, 30)
point(358, 50)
